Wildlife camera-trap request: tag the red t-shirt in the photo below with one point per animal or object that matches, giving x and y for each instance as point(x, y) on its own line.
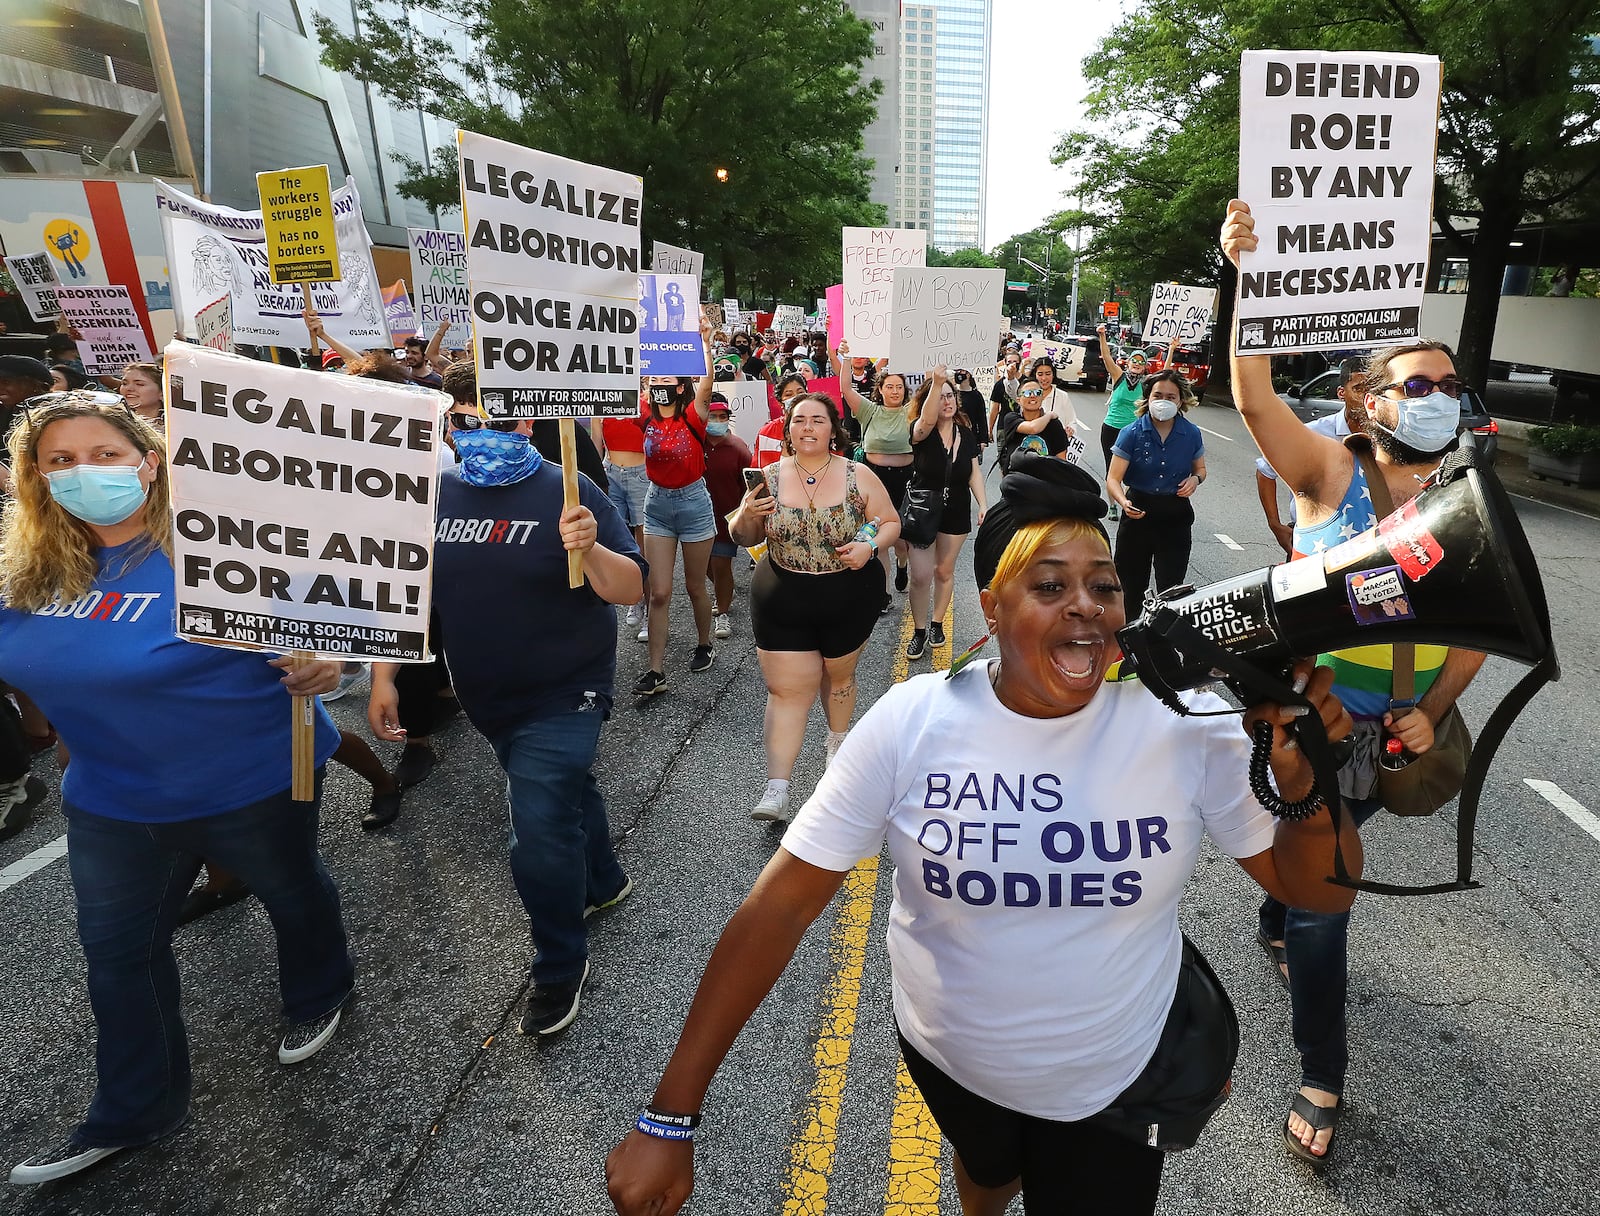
point(725, 466)
point(674, 449)
point(622, 434)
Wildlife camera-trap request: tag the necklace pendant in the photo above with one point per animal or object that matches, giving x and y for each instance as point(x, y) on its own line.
point(811, 481)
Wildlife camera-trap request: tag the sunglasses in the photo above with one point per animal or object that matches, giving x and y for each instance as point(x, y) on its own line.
point(1421, 386)
point(1035, 393)
point(471, 422)
point(35, 406)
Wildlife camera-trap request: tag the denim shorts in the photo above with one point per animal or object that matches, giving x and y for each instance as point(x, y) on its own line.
point(627, 489)
point(683, 513)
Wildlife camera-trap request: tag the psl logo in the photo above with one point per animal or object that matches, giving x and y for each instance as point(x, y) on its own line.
point(1253, 333)
point(199, 620)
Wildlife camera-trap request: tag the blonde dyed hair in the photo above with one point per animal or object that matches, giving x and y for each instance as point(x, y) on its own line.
point(1024, 547)
point(47, 553)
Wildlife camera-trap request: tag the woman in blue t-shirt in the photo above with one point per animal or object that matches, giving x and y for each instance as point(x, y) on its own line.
point(1157, 463)
point(179, 752)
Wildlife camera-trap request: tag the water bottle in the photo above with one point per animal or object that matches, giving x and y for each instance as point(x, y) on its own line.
point(868, 533)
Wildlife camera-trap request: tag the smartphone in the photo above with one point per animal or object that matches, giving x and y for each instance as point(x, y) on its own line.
point(756, 479)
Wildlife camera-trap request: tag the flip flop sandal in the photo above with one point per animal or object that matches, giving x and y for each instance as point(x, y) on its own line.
point(1279, 956)
point(1321, 1118)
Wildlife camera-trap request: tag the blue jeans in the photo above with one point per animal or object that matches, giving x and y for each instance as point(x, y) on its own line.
point(561, 857)
point(130, 880)
point(1316, 945)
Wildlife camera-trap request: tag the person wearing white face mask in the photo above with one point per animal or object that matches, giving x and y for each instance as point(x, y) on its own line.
point(87, 597)
point(1408, 400)
point(1157, 463)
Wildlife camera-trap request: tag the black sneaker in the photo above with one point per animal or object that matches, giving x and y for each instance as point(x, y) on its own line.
point(936, 633)
point(902, 576)
point(917, 644)
point(304, 1039)
point(649, 684)
point(552, 1008)
point(383, 810)
point(66, 1158)
point(702, 658)
point(17, 802)
point(622, 894)
point(416, 762)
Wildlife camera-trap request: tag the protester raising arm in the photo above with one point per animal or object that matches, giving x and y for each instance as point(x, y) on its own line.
point(1305, 460)
point(432, 356)
point(702, 391)
point(928, 419)
point(319, 333)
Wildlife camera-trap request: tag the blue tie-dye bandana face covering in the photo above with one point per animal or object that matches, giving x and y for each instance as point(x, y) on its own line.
point(496, 458)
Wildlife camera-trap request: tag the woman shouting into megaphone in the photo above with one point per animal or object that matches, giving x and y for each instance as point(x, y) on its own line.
point(1036, 975)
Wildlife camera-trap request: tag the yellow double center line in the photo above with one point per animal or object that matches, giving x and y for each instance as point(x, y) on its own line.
point(913, 1170)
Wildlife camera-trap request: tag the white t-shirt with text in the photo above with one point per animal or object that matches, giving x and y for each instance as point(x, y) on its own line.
point(1038, 868)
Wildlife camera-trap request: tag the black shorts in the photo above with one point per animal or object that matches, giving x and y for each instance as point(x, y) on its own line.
point(1065, 1168)
point(956, 518)
point(895, 479)
point(829, 613)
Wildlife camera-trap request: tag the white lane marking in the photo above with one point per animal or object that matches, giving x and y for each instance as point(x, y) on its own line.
point(1541, 502)
point(33, 863)
point(1229, 541)
point(1566, 804)
point(1218, 434)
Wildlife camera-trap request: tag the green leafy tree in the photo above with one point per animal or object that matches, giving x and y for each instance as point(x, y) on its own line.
point(1519, 128)
point(970, 258)
point(1047, 245)
point(747, 133)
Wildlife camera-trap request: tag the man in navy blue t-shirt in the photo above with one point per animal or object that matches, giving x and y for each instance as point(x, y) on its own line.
point(533, 663)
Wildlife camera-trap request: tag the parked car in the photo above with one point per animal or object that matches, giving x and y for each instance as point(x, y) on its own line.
point(1319, 396)
point(1195, 364)
point(1078, 362)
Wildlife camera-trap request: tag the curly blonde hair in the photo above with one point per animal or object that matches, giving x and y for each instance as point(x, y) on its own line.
point(46, 553)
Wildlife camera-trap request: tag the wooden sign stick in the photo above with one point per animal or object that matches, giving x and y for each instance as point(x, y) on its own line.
point(569, 493)
point(303, 780)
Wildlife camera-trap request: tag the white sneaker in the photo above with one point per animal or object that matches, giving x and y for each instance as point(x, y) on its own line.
point(721, 627)
point(774, 804)
point(644, 633)
point(634, 615)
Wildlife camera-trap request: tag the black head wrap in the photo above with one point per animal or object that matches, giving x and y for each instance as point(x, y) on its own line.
point(1037, 488)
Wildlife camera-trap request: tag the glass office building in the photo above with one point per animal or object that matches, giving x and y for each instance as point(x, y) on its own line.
point(944, 119)
point(882, 136)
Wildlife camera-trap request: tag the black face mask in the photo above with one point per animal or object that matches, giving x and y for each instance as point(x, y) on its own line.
point(661, 394)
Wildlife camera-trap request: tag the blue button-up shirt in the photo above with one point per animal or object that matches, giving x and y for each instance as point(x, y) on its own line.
point(1155, 467)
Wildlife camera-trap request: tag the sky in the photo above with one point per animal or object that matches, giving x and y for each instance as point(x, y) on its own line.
point(1033, 98)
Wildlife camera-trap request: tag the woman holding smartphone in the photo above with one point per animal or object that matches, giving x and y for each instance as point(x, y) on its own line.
point(815, 596)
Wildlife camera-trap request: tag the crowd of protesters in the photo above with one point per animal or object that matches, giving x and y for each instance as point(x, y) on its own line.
point(844, 502)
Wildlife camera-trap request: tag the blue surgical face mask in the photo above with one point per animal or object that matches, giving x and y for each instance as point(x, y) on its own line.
point(1425, 423)
point(98, 494)
point(716, 428)
point(496, 458)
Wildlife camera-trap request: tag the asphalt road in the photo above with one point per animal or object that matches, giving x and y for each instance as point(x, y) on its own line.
point(1473, 1026)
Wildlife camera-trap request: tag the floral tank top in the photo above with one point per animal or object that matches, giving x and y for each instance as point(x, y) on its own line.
point(803, 539)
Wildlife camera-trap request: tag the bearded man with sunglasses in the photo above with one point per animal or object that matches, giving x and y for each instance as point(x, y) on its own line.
point(533, 663)
point(1409, 405)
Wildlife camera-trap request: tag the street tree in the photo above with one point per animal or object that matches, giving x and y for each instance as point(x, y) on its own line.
point(1519, 128)
point(748, 134)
